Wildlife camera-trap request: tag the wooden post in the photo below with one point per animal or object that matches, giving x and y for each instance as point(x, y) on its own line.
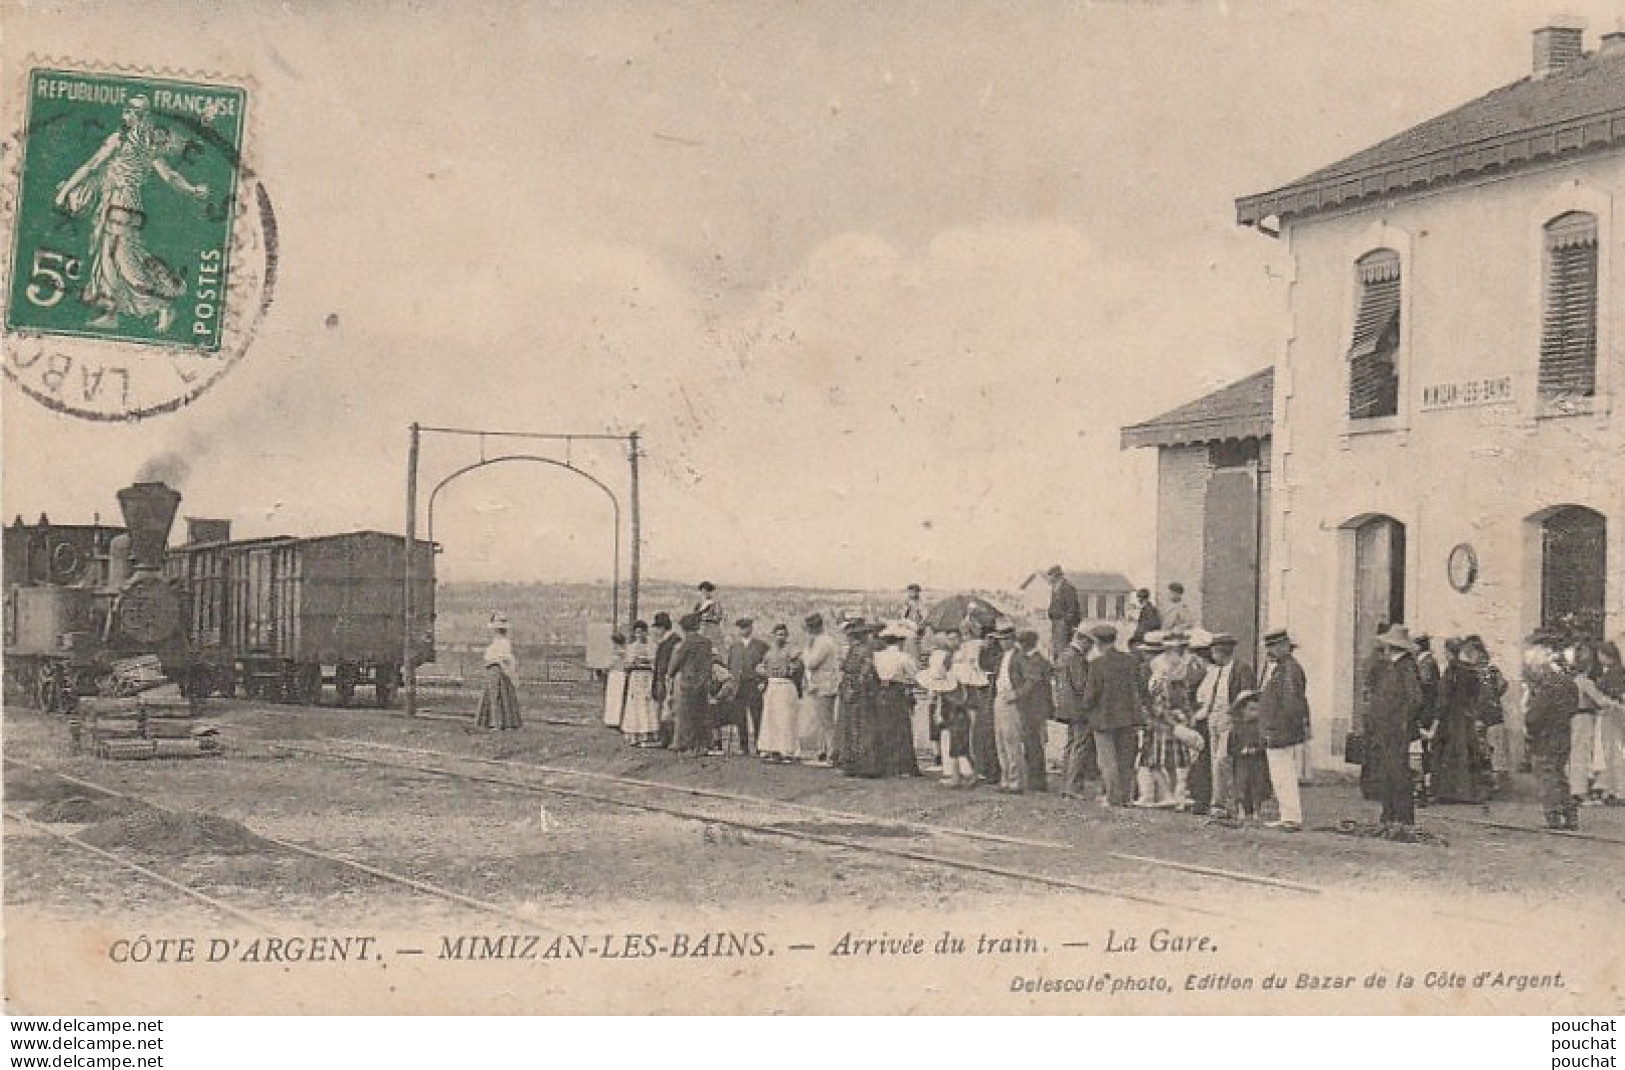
point(408, 665)
point(637, 534)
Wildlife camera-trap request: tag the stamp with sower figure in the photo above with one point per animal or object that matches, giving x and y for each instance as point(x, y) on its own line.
point(142, 252)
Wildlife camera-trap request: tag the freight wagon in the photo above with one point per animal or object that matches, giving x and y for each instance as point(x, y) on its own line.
point(280, 618)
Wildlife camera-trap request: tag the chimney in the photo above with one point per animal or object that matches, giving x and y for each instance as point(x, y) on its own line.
point(1557, 46)
point(199, 529)
point(149, 510)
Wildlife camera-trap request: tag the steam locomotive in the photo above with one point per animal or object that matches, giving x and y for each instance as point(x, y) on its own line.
point(88, 609)
point(93, 610)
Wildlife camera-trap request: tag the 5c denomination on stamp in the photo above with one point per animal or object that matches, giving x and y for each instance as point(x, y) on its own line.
point(142, 251)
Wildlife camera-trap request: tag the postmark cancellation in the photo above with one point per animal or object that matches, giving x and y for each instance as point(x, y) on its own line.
point(142, 248)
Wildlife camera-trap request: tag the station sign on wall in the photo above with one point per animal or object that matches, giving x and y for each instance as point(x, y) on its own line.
point(1468, 393)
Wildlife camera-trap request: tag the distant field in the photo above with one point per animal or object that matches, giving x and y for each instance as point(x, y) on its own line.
point(557, 614)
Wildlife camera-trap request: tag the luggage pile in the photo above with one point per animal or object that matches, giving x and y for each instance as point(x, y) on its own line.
point(144, 726)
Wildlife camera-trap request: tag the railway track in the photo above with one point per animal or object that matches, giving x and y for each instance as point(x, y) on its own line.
point(826, 813)
point(147, 873)
point(766, 817)
point(1536, 830)
point(255, 919)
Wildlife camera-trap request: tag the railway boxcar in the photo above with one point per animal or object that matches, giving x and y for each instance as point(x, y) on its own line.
point(281, 617)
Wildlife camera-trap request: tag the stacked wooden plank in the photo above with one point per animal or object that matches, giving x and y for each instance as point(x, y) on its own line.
point(147, 726)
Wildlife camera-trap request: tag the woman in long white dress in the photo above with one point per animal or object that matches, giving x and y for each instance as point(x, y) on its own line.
point(640, 721)
point(615, 684)
point(777, 741)
point(499, 703)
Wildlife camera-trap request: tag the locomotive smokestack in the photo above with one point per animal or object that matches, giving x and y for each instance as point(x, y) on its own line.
point(149, 510)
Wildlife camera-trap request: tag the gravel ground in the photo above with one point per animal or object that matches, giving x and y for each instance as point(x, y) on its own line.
point(534, 853)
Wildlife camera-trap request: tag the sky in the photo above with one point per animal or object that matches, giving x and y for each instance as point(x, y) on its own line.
point(878, 284)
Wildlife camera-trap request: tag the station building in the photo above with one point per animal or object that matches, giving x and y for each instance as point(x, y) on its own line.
point(1213, 495)
point(1448, 437)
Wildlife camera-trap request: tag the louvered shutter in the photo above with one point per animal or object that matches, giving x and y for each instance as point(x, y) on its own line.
point(1568, 337)
point(1373, 375)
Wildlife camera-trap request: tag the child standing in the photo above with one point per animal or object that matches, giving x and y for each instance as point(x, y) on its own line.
point(1247, 760)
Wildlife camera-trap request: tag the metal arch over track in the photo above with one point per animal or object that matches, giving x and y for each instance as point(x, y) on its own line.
point(408, 665)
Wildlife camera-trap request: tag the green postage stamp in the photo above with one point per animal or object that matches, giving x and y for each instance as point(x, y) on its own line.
point(131, 216)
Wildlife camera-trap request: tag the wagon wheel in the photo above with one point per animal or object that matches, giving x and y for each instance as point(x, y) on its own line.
point(310, 684)
point(47, 696)
point(288, 684)
point(344, 679)
point(28, 685)
point(199, 682)
point(387, 685)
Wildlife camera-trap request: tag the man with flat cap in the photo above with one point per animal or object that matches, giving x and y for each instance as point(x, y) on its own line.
point(913, 610)
point(1226, 678)
point(745, 653)
point(1114, 705)
point(666, 642)
point(1283, 718)
point(1551, 698)
point(821, 672)
point(1393, 702)
point(689, 680)
point(1065, 611)
point(1071, 680)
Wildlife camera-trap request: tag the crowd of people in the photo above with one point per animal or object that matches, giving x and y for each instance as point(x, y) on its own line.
point(1162, 714)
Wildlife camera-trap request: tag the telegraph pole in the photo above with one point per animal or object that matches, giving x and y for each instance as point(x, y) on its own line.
point(408, 665)
point(637, 532)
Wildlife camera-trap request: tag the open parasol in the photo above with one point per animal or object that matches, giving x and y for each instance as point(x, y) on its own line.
point(952, 611)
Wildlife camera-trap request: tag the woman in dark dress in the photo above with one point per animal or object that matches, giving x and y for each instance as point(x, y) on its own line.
point(1456, 762)
point(860, 688)
point(895, 669)
point(690, 680)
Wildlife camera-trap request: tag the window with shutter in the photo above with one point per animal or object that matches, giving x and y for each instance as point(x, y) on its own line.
point(1372, 356)
point(1568, 335)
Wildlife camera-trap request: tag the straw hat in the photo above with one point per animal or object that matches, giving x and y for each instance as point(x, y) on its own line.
point(1398, 636)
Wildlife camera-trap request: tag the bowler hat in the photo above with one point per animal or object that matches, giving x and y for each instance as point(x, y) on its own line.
point(1104, 632)
point(744, 622)
point(662, 619)
point(1279, 635)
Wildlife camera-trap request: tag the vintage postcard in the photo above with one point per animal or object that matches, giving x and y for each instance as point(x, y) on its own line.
point(643, 507)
